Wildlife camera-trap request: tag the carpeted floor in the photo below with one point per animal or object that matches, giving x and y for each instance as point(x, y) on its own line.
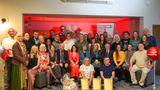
point(118, 86)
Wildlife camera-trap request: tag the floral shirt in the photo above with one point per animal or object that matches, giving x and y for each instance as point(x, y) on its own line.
point(87, 70)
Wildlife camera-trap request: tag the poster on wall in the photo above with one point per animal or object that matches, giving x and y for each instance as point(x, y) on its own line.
point(105, 27)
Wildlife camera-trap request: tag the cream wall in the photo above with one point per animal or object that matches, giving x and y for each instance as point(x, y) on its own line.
point(13, 10)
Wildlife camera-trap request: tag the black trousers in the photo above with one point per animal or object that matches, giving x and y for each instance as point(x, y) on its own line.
point(127, 76)
point(97, 72)
point(8, 66)
point(120, 73)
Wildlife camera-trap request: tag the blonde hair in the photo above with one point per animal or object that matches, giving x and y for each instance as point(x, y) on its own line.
point(32, 52)
point(116, 36)
point(18, 35)
point(41, 46)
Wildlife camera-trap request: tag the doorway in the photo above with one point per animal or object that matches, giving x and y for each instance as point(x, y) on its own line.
point(156, 32)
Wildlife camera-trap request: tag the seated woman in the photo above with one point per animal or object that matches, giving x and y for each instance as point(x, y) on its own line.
point(118, 57)
point(32, 63)
point(54, 67)
point(128, 54)
point(42, 65)
point(96, 62)
point(87, 70)
point(84, 53)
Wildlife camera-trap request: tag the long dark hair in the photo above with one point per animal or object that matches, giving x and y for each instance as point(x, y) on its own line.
point(137, 34)
point(142, 39)
point(75, 47)
point(117, 54)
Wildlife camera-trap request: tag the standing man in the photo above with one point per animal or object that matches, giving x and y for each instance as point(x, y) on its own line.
point(151, 39)
point(69, 42)
point(7, 43)
point(125, 40)
point(51, 37)
point(80, 42)
point(141, 63)
point(34, 40)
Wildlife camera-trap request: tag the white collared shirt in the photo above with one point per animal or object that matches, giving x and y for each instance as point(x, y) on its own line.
point(68, 44)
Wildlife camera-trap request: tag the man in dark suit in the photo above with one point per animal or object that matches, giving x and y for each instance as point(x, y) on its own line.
point(107, 52)
point(62, 59)
point(34, 40)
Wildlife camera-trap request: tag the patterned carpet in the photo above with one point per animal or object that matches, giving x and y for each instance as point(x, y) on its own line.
point(118, 86)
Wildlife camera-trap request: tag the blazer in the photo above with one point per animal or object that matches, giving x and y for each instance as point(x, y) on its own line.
point(28, 45)
point(18, 57)
point(104, 54)
point(65, 56)
point(32, 41)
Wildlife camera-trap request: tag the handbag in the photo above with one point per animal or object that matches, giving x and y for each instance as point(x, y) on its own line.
point(108, 84)
point(96, 84)
point(84, 84)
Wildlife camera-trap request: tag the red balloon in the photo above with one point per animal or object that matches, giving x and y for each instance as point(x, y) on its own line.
point(159, 52)
point(153, 53)
point(5, 55)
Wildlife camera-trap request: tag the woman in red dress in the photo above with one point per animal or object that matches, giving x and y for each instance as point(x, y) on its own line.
point(74, 59)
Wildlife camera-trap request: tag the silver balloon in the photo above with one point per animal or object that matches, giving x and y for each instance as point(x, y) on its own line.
point(1, 50)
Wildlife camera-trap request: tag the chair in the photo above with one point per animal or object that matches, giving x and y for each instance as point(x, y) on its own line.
point(40, 80)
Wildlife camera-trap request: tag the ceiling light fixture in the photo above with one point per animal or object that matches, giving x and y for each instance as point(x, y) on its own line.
point(4, 20)
point(89, 1)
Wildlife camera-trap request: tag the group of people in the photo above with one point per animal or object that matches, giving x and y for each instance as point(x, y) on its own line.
point(78, 54)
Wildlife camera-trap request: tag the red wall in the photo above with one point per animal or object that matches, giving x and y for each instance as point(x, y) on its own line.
point(127, 24)
point(124, 25)
point(45, 26)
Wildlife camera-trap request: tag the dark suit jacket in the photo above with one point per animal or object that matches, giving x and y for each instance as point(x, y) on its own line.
point(110, 55)
point(32, 41)
point(28, 45)
point(18, 57)
point(65, 57)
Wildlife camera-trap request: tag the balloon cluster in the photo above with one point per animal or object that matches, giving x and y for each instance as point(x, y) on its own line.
point(68, 83)
point(153, 53)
